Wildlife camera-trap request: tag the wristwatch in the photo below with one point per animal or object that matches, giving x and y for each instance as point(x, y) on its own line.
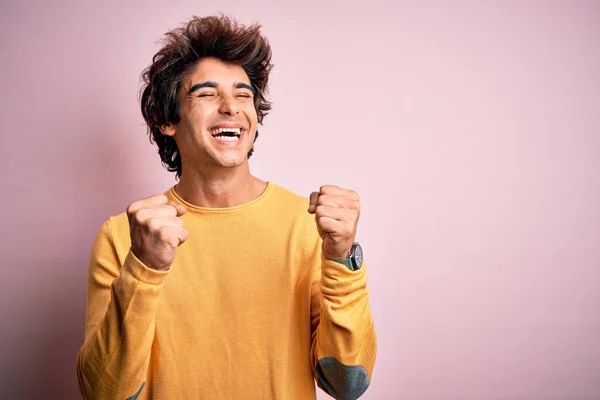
point(355, 260)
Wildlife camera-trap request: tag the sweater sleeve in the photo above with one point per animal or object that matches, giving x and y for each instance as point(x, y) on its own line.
point(344, 344)
point(120, 316)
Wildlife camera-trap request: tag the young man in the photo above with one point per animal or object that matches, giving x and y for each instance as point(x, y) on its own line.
point(225, 286)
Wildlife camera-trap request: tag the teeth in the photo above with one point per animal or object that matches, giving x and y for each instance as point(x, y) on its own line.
point(228, 138)
point(216, 131)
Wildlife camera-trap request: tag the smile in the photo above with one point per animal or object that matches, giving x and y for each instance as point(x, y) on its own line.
point(226, 134)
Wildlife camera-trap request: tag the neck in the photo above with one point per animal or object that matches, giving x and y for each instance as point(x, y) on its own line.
point(219, 188)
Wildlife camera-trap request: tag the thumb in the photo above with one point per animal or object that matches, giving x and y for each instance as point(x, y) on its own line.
point(314, 198)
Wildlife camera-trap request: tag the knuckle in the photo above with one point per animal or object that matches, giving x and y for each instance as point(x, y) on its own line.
point(167, 210)
point(153, 225)
point(157, 199)
point(163, 234)
point(130, 209)
point(139, 217)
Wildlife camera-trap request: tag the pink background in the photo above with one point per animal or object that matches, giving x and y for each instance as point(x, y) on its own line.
point(471, 129)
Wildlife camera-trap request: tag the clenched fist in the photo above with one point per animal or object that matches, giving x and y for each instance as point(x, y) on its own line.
point(156, 229)
point(336, 212)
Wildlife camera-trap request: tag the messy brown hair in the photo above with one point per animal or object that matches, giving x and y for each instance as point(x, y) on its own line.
point(213, 36)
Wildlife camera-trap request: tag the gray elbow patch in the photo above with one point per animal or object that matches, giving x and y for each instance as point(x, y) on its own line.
point(136, 395)
point(343, 382)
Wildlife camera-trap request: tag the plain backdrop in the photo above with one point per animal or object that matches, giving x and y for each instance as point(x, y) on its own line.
point(471, 130)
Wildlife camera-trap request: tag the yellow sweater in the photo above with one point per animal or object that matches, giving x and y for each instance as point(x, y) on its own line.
point(248, 310)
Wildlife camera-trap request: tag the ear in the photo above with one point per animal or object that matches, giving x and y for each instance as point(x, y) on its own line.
point(168, 130)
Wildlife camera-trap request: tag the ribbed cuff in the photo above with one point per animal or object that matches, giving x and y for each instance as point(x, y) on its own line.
point(140, 272)
point(338, 278)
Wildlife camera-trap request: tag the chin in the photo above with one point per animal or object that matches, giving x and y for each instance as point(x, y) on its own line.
point(227, 158)
point(231, 162)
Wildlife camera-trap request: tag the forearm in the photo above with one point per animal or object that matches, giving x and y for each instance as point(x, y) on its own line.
point(114, 358)
point(344, 343)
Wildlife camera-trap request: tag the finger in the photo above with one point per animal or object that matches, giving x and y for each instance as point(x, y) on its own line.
point(331, 212)
point(154, 225)
point(175, 236)
point(163, 211)
point(314, 197)
point(337, 201)
point(155, 200)
point(338, 191)
point(179, 207)
point(330, 225)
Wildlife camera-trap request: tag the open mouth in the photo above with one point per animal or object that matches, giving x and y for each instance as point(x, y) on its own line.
point(226, 134)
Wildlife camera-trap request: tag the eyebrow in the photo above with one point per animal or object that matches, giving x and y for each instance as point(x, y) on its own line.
point(212, 84)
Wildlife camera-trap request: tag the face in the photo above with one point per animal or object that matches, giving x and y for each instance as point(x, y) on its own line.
point(218, 118)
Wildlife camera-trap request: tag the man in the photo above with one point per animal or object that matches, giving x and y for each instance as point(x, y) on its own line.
point(224, 286)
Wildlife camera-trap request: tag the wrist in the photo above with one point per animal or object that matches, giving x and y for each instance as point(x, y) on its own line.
point(354, 260)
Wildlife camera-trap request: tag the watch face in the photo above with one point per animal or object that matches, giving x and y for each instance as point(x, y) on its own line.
point(358, 256)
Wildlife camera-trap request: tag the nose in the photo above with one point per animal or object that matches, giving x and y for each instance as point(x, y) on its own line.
point(228, 105)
